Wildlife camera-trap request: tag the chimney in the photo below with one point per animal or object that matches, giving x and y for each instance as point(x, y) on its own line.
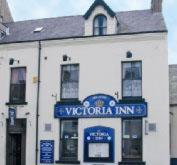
point(156, 6)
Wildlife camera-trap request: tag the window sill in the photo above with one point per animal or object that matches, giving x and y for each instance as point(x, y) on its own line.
point(132, 100)
point(132, 163)
point(67, 162)
point(69, 101)
point(12, 103)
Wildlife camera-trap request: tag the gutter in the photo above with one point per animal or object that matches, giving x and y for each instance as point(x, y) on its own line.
point(37, 103)
point(81, 37)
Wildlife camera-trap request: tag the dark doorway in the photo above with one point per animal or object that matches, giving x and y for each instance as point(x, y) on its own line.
point(16, 143)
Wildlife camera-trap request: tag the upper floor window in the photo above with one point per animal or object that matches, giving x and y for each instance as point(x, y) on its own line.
point(100, 25)
point(18, 85)
point(132, 79)
point(69, 81)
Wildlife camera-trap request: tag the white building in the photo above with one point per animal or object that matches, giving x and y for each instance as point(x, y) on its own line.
point(89, 89)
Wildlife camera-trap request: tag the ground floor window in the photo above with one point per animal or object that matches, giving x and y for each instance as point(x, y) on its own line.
point(132, 140)
point(69, 140)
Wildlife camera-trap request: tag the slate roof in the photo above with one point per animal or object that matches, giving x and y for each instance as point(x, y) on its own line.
point(141, 21)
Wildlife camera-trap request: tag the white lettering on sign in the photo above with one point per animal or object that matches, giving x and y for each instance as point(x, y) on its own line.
point(125, 110)
point(79, 111)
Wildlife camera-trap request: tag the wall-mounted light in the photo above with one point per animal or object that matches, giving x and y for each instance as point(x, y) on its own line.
point(66, 58)
point(27, 113)
point(12, 60)
point(129, 54)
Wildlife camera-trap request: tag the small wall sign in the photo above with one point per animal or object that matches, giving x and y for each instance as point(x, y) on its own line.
point(47, 151)
point(99, 144)
point(100, 105)
point(12, 116)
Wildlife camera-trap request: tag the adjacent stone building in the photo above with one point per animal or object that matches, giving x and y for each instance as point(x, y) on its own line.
point(5, 13)
point(173, 111)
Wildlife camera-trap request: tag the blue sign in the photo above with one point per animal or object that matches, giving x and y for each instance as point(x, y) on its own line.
point(12, 116)
point(100, 105)
point(96, 135)
point(99, 134)
point(47, 151)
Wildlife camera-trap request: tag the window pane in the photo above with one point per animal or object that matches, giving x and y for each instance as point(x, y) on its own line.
point(18, 75)
point(69, 129)
point(70, 90)
point(132, 139)
point(136, 88)
point(96, 31)
point(136, 70)
point(127, 71)
point(69, 149)
point(127, 88)
point(104, 31)
point(70, 84)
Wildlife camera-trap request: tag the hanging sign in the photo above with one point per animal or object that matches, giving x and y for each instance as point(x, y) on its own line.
point(47, 151)
point(12, 116)
point(100, 105)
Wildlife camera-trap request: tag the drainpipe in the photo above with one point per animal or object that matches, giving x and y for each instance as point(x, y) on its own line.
point(37, 103)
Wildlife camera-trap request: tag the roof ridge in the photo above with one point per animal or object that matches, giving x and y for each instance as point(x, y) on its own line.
point(133, 10)
point(46, 18)
point(79, 15)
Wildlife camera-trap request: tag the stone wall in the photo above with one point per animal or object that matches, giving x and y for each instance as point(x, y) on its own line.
point(5, 11)
point(173, 84)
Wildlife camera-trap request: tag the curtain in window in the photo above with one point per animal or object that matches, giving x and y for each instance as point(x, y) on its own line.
point(18, 75)
point(18, 85)
point(100, 25)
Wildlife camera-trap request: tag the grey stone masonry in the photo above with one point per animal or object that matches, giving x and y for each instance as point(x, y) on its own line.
point(173, 84)
point(5, 14)
point(156, 6)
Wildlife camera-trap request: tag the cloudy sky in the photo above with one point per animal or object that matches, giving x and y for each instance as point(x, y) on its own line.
point(34, 9)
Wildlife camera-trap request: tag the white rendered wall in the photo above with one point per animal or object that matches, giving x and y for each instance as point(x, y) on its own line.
point(27, 55)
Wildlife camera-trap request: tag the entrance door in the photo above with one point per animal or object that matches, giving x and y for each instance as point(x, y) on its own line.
point(15, 149)
point(16, 143)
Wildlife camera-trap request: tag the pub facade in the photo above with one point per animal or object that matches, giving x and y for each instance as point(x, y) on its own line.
point(89, 89)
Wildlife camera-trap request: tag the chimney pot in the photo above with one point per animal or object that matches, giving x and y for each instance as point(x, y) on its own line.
point(156, 6)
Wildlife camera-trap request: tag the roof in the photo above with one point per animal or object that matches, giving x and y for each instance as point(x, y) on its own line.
point(130, 22)
point(99, 3)
point(173, 84)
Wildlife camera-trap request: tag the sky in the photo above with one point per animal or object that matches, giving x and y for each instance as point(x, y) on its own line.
point(35, 9)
